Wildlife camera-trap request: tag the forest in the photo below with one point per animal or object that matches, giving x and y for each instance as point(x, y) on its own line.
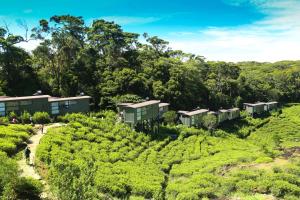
point(111, 65)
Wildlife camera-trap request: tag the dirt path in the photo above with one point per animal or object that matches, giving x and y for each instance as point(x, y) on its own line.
point(29, 170)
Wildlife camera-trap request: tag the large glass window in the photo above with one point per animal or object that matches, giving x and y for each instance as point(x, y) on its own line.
point(2, 109)
point(12, 106)
point(139, 113)
point(25, 103)
point(144, 111)
point(54, 108)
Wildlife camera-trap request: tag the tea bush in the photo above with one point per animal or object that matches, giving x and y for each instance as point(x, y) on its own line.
point(95, 157)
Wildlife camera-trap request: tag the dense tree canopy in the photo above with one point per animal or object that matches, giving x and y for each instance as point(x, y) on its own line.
point(108, 63)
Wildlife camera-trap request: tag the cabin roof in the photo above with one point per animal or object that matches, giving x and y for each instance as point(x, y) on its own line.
point(233, 109)
point(195, 112)
point(163, 104)
point(255, 104)
point(143, 104)
point(5, 98)
point(273, 102)
point(223, 110)
point(55, 99)
point(212, 112)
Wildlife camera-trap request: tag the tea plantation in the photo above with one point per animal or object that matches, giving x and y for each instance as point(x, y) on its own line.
point(12, 186)
point(94, 157)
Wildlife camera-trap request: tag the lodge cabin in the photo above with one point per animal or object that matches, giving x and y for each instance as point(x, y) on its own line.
point(44, 103)
point(270, 106)
point(62, 106)
point(254, 108)
point(193, 118)
point(140, 116)
point(18, 105)
point(223, 115)
point(233, 113)
point(163, 108)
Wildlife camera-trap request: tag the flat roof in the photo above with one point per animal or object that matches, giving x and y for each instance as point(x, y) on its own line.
point(195, 112)
point(255, 104)
point(212, 112)
point(233, 109)
point(163, 104)
point(55, 99)
point(2, 99)
point(223, 110)
point(273, 102)
point(143, 104)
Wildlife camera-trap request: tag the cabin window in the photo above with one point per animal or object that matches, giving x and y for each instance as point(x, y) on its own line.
point(2, 109)
point(72, 102)
point(67, 104)
point(54, 108)
point(25, 103)
point(12, 106)
point(139, 114)
point(193, 119)
point(144, 111)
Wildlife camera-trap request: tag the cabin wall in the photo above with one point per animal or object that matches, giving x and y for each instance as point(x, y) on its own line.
point(19, 106)
point(69, 106)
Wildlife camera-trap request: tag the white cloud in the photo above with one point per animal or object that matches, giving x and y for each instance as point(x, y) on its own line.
point(30, 45)
point(274, 38)
point(127, 20)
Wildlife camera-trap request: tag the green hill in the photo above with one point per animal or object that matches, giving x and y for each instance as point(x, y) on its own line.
point(96, 158)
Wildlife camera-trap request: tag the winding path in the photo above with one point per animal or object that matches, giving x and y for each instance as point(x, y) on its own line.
point(29, 170)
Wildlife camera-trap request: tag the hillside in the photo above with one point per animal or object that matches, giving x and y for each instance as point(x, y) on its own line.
point(96, 158)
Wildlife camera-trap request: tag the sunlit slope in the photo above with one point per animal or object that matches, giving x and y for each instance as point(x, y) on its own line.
point(97, 158)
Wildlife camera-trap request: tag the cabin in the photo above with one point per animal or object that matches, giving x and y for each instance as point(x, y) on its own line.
point(193, 118)
point(270, 106)
point(254, 108)
point(44, 103)
point(233, 113)
point(140, 116)
point(223, 115)
point(62, 106)
point(18, 105)
point(163, 108)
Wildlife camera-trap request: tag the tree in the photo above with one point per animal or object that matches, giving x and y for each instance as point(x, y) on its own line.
point(210, 122)
point(170, 117)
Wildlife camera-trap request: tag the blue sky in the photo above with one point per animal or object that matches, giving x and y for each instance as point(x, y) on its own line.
point(231, 30)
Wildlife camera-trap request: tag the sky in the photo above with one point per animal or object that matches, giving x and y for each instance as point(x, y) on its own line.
point(227, 30)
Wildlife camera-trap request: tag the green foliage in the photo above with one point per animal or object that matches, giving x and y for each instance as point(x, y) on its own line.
point(12, 136)
point(12, 115)
point(41, 118)
point(170, 117)
point(210, 121)
point(25, 117)
point(94, 156)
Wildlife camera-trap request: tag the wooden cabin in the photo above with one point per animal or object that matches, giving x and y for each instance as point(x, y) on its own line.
point(163, 108)
point(44, 103)
point(254, 108)
point(223, 115)
point(193, 118)
point(233, 113)
point(141, 116)
point(270, 106)
point(62, 106)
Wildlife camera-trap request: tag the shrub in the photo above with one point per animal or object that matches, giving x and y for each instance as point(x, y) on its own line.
point(12, 115)
point(41, 118)
point(170, 117)
point(25, 117)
